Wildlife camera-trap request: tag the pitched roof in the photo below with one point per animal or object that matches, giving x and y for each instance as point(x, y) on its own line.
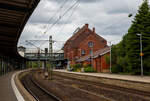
point(79, 36)
point(100, 38)
point(95, 55)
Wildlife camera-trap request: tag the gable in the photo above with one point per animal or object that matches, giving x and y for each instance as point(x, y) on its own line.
point(94, 38)
point(80, 38)
point(77, 37)
point(83, 34)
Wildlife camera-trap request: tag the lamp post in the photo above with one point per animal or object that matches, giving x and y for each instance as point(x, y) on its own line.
point(141, 53)
point(110, 58)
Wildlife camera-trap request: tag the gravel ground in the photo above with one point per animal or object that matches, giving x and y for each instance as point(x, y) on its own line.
point(68, 92)
point(69, 89)
point(116, 82)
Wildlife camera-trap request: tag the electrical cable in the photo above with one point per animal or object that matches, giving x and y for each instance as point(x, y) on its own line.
point(54, 15)
point(56, 12)
point(33, 42)
point(61, 17)
point(38, 48)
point(69, 17)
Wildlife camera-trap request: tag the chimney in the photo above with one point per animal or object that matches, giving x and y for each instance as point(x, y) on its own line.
point(93, 29)
point(87, 25)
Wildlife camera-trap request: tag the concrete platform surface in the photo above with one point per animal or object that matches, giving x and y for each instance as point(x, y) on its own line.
point(6, 91)
point(144, 79)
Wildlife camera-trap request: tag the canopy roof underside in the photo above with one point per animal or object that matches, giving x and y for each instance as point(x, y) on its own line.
point(13, 16)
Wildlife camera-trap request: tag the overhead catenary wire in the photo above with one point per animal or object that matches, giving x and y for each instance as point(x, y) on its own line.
point(65, 24)
point(56, 12)
point(44, 40)
point(41, 42)
point(69, 17)
point(61, 16)
point(38, 12)
point(33, 42)
point(28, 42)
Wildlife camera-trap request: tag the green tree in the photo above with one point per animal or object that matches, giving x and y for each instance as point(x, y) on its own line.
point(114, 54)
point(146, 44)
point(132, 47)
point(126, 54)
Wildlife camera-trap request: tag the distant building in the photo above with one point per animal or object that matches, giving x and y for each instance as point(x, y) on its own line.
point(21, 50)
point(87, 47)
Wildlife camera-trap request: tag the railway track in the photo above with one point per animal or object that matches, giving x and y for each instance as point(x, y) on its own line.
point(85, 90)
point(36, 90)
point(103, 88)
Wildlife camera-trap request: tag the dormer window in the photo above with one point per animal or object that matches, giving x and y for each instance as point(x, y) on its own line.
point(90, 44)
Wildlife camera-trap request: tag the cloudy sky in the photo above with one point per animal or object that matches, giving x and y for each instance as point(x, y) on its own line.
point(109, 17)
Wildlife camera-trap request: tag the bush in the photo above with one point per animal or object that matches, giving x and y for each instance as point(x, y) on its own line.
point(116, 69)
point(146, 66)
point(136, 71)
point(147, 73)
point(77, 67)
point(122, 63)
point(89, 69)
point(128, 69)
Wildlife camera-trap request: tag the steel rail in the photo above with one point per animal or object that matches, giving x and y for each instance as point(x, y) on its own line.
point(25, 82)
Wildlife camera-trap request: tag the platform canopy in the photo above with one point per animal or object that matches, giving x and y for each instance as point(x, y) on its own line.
point(13, 16)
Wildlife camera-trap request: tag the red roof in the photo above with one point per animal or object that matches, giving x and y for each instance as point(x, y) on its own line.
point(95, 55)
point(79, 36)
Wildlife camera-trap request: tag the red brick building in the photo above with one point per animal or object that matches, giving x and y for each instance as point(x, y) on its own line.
point(86, 47)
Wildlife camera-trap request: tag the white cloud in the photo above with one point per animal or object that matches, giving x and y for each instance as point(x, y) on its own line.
point(109, 17)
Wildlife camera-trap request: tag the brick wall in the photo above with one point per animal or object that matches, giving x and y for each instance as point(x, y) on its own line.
point(100, 64)
point(74, 53)
point(97, 45)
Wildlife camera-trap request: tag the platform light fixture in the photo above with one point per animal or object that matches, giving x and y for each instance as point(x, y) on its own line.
point(141, 53)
